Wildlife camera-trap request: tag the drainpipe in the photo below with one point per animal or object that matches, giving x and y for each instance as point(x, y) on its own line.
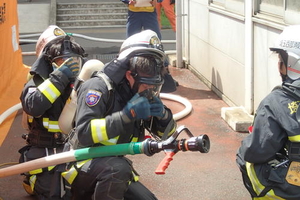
point(249, 86)
point(178, 10)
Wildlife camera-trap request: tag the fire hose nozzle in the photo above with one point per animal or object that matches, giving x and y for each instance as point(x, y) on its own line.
point(200, 143)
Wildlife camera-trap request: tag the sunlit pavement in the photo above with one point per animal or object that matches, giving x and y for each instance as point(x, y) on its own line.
point(191, 175)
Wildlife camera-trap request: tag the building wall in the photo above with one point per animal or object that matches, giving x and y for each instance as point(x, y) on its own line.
point(230, 54)
point(33, 22)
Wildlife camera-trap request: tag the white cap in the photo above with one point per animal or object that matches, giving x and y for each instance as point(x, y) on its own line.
point(288, 39)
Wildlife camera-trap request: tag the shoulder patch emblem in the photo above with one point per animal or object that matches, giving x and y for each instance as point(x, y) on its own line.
point(293, 106)
point(92, 97)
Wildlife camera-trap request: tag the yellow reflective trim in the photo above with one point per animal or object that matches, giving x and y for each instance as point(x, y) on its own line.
point(46, 122)
point(32, 181)
point(112, 141)
point(135, 177)
point(36, 171)
point(257, 186)
point(134, 139)
point(269, 196)
point(141, 9)
point(30, 119)
point(53, 126)
point(295, 138)
point(160, 134)
point(71, 174)
point(49, 90)
point(98, 127)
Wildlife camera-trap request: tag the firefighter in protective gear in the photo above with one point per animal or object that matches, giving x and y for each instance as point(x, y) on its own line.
point(43, 98)
point(269, 157)
point(116, 106)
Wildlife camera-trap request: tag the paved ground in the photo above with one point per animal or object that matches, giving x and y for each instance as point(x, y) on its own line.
point(191, 175)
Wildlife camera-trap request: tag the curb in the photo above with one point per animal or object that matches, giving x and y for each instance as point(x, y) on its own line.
point(237, 118)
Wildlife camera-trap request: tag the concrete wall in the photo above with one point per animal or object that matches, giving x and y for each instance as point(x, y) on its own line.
point(33, 18)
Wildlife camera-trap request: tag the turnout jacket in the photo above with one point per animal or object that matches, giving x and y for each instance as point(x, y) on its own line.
point(43, 98)
point(98, 120)
point(275, 126)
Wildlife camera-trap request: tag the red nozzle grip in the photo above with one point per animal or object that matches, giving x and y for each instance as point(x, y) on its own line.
point(163, 165)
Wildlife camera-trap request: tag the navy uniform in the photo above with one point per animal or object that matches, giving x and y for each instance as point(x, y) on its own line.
point(43, 99)
point(265, 148)
point(141, 18)
point(100, 120)
point(269, 157)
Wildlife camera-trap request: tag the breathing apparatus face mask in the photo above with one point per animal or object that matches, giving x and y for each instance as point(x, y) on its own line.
point(67, 52)
point(153, 82)
point(153, 90)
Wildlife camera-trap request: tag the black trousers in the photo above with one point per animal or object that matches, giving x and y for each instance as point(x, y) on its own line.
point(43, 185)
point(137, 191)
point(108, 178)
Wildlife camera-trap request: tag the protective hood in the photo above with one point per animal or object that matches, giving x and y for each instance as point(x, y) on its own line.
point(116, 70)
point(41, 67)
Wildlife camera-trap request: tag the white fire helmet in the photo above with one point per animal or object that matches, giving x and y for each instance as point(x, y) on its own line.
point(51, 33)
point(289, 41)
point(143, 42)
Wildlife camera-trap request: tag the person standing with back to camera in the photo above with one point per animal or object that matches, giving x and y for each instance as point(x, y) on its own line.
point(142, 17)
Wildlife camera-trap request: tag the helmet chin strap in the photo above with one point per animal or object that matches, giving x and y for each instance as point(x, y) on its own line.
point(135, 87)
point(283, 77)
point(135, 76)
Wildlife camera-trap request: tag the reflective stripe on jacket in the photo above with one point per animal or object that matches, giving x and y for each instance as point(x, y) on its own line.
point(141, 9)
point(275, 125)
point(96, 126)
point(71, 174)
point(43, 101)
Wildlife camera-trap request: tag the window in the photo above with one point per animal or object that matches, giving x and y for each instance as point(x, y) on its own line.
point(280, 11)
point(218, 2)
point(292, 13)
point(234, 6)
point(272, 7)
